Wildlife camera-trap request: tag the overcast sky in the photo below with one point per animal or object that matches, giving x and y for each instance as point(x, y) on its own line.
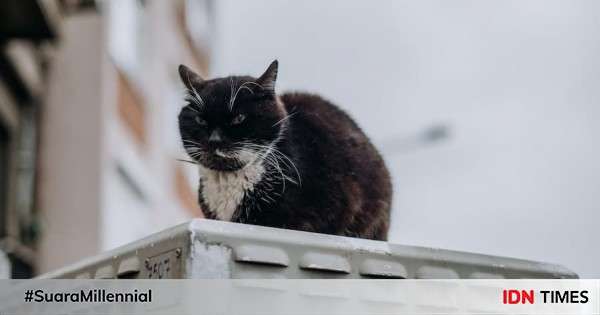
point(516, 83)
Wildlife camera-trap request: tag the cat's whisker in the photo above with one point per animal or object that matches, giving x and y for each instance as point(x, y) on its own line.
point(252, 82)
point(192, 150)
point(194, 99)
point(195, 156)
point(187, 161)
point(284, 158)
point(191, 102)
point(292, 163)
point(190, 145)
point(263, 155)
point(242, 86)
point(284, 119)
point(275, 163)
point(192, 142)
point(195, 94)
point(274, 159)
point(231, 88)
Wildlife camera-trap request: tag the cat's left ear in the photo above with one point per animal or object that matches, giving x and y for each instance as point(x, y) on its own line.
point(267, 79)
point(190, 79)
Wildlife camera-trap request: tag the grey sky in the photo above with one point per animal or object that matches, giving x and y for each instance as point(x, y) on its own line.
point(517, 83)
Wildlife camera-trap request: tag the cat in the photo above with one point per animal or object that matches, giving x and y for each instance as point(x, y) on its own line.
point(293, 161)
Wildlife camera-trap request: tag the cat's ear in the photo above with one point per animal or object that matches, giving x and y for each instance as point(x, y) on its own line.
point(267, 79)
point(189, 77)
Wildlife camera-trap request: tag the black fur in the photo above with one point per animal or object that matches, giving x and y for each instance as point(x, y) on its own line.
point(337, 183)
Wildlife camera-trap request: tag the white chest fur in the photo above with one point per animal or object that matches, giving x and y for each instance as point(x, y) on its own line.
point(224, 191)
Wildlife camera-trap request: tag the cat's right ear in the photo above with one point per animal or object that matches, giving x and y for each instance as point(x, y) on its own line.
point(189, 77)
point(267, 79)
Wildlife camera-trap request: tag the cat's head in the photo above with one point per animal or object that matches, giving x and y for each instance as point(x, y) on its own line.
point(232, 121)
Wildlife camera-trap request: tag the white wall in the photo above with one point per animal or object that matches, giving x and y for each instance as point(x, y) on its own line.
point(516, 81)
point(87, 204)
point(144, 42)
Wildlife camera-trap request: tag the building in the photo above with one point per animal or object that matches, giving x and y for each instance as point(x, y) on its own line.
point(101, 148)
point(24, 43)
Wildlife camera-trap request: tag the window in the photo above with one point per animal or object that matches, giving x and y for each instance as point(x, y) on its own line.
point(126, 36)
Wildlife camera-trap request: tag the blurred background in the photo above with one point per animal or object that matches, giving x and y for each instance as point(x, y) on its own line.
point(485, 111)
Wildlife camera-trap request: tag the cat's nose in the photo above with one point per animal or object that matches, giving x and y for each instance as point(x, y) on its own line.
point(215, 137)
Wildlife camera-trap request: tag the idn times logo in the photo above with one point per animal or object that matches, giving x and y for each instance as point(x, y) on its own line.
point(514, 296)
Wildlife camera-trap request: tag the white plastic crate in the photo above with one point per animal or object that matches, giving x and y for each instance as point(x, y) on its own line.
point(215, 249)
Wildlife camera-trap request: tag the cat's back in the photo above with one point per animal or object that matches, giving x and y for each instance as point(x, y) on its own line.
point(321, 124)
point(314, 114)
point(342, 163)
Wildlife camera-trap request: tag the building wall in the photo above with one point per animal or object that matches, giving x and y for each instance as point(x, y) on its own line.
point(71, 135)
point(141, 182)
point(110, 141)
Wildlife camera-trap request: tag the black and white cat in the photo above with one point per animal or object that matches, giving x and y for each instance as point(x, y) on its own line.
point(292, 161)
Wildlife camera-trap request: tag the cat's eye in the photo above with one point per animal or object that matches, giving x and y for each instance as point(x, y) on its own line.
point(200, 121)
point(238, 119)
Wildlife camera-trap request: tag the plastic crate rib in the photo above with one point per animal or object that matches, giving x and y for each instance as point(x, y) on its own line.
point(208, 249)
